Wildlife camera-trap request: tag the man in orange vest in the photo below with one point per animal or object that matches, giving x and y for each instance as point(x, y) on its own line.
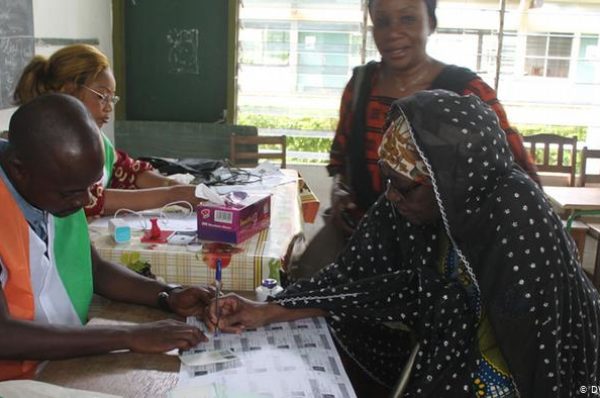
point(48, 269)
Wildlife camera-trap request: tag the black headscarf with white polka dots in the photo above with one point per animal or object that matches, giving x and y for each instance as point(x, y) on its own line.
point(543, 310)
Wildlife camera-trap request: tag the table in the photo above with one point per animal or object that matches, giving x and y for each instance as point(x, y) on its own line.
point(578, 200)
point(155, 375)
point(575, 198)
point(244, 265)
point(124, 373)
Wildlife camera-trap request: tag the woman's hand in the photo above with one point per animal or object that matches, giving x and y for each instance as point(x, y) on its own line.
point(174, 190)
point(232, 313)
point(148, 198)
point(185, 193)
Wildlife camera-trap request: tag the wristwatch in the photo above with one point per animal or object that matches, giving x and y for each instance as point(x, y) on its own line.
point(163, 297)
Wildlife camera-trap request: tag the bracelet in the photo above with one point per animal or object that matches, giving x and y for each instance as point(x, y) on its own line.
point(162, 301)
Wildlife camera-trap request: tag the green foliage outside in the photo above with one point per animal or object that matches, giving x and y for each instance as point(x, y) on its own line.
point(296, 143)
point(287, 122)
point(322, 144)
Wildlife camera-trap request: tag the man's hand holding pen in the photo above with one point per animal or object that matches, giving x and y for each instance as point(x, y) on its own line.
point(190, 300)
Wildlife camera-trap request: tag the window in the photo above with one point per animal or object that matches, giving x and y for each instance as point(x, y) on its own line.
point(489, 50)
point(456, 46)
point(588, 61)
point(265, 43)
point(475, 49)
point(296, 56)
point(548, 55)
point(326, 53)
point(303, 3)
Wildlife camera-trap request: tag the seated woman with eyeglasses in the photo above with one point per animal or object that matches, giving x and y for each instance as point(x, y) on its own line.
point(84, 72)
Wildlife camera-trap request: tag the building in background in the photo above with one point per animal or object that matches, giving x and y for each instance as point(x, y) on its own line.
point(295, 56)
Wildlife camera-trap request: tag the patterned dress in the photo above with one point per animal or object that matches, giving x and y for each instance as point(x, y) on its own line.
point(493, 291)
point(120, 172)
point(359, 132)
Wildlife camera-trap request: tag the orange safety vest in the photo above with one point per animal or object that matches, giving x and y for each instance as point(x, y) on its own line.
point(18, 292)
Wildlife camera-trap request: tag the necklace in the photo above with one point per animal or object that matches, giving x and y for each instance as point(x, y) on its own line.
point(414, 81)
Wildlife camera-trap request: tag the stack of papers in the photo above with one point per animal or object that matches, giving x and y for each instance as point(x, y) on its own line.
point(289, 359)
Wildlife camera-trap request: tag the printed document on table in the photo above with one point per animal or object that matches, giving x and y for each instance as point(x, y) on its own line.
point(288, 359)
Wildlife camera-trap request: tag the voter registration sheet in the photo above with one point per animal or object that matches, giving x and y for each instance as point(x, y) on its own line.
point(288, 359)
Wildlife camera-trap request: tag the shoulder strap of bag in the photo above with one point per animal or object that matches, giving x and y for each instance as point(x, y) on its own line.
point(357, 162)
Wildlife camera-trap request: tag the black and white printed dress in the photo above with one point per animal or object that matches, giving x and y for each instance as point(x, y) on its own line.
point(515, 271)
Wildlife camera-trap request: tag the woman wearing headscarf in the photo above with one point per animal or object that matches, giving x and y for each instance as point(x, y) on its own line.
point(400, 30)
point(465, 252)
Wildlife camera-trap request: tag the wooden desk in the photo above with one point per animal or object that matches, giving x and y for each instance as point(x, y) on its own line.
point(245, 265)
point(123, 373)
point(574, 198)
point(577, 201)
point(155, 375)
point(580, 201)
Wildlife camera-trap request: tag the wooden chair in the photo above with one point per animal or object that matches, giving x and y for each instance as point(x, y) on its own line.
point(594, 232)
point(244, 151)
point(545, 164)
point(549, 169)
point(585, 177)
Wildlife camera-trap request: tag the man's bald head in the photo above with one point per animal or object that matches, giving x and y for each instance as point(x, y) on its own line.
point(53, 127)
point(55, 153)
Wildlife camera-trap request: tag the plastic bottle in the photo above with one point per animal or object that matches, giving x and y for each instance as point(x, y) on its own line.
point(268, 287)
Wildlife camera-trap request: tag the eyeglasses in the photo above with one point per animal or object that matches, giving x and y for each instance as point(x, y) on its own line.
point(104, 98)
point(389, 186)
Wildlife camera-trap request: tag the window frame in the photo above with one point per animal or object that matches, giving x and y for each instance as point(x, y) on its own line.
point(547, 57)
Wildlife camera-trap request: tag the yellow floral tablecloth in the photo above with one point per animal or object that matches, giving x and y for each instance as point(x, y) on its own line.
point(244, 264)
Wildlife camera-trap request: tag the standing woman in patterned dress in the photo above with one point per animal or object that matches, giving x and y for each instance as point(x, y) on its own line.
point(84, 72)
point(463, 250)
point(401, 29)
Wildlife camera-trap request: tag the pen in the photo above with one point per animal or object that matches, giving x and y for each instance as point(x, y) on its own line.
point(218, 293)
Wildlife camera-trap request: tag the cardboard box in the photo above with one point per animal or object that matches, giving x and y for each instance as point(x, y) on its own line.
point(310, 202)
point(243, 215)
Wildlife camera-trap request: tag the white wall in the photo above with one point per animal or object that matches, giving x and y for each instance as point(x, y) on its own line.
point(70, 19)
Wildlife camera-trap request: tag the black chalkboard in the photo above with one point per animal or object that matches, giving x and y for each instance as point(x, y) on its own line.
point(176, 59)
point(16, 44)
point(177, 139)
